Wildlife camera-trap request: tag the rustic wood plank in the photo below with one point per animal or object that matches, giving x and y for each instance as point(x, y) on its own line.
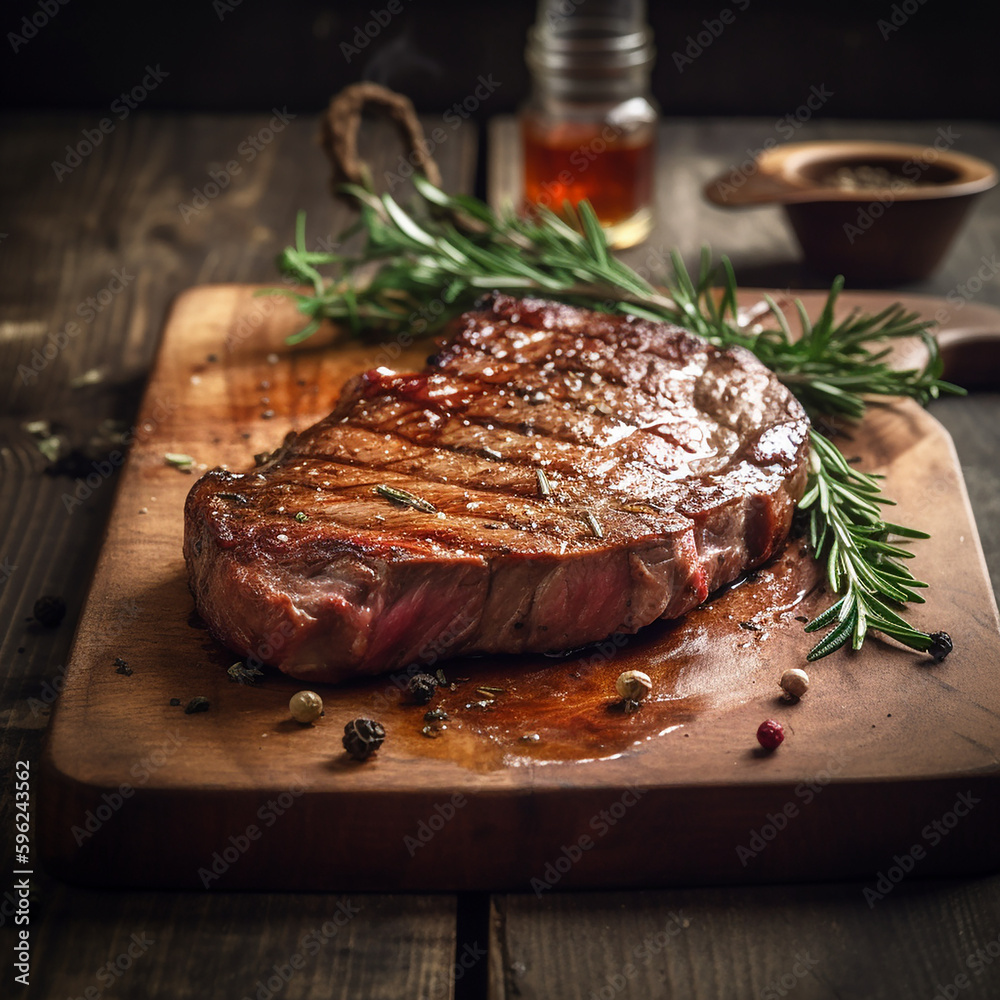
point(809, 941)
point(63, 240)
point(256, 945)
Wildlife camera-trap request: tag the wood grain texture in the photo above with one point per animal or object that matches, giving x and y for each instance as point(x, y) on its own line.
point(61, 242)
point(690, 750)
point(815, 942)
point(219, 945)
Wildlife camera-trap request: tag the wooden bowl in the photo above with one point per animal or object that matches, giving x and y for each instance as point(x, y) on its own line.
point(876, 212)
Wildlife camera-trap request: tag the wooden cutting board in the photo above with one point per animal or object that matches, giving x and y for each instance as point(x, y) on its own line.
point(890, 762)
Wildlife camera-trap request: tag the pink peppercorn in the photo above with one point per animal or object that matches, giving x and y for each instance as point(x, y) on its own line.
point(770, 734)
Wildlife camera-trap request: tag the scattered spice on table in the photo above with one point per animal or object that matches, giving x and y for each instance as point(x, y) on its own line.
point(175, 702)
point(794, 683)
point(941, 645)
point(122, 667)
point(363, 737)
point(240, 673)
point(422, 687)
point(305, 707)
point(770, 734)
point(49, 610)
point(633, 686)
point(199, 704)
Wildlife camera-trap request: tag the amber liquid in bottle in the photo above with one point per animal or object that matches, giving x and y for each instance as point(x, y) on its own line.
point(609, 166)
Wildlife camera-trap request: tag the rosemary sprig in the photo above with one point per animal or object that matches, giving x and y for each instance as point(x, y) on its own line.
point(406, 498)
point(847, 531)
point(420, 268)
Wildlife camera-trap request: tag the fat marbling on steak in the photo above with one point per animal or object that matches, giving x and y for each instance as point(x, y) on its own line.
point(672, 468)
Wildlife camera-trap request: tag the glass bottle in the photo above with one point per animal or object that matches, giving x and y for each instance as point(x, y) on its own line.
point(589, 127)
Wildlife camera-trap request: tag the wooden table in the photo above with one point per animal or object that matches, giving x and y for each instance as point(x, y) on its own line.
point(107, 245)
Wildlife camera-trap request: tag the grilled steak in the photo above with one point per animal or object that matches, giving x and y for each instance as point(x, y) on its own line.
point(554, 475)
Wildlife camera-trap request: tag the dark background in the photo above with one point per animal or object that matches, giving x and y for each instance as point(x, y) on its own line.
point(940, 64)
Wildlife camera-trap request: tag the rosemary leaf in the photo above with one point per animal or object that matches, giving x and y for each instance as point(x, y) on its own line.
point(405, 497)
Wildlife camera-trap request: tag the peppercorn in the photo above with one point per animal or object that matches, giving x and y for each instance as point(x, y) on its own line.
point(362, 737)
point(633, 686)
point(770, 734)
point(305, 707)
point(49, 610)
point(422, 687)
point(199, 704)
point(941, 645)
point(436, 715)
point(794, 683)
point(122, 667)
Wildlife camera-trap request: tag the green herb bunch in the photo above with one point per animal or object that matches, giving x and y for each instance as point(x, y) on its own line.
point(450, 249)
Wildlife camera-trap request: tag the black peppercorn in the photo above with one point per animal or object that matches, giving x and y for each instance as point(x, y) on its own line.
point(422, 687)
point(199, 704)
point(941, 645)
point(49, 610)
point(362, 737)
point(122, 667)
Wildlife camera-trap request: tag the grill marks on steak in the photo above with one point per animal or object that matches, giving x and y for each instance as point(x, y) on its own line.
point(690, 460)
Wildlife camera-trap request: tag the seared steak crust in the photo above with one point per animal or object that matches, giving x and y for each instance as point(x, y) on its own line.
point(673, 467)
